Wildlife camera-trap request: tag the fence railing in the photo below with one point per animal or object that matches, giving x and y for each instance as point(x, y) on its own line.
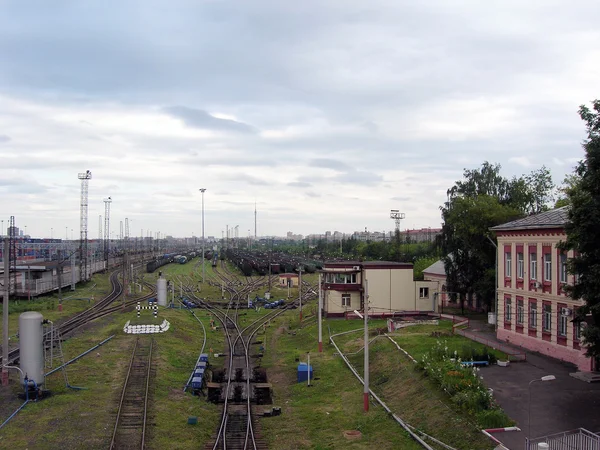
point(580, 439)
point(513, 355)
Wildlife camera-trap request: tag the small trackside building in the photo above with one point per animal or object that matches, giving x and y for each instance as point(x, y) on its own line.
point(391, 288)
point(533, 310)
point(288, 280)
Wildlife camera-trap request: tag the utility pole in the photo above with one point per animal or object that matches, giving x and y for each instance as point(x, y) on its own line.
point(107, 202)
point(5, 352)
point(59, 276)
point(300, 289)
point(203, 190)
point(366, 376)
point(270, 249)
point(319, 318)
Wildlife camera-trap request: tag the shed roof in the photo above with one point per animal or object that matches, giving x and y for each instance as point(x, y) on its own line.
point(437, 268)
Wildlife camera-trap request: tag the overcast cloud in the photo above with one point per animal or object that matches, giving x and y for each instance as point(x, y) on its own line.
point(325, 115)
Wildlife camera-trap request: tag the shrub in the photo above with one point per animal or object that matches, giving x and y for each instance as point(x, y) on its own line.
point(493, 418)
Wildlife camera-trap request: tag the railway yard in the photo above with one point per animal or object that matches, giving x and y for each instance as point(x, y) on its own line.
point(145, 391)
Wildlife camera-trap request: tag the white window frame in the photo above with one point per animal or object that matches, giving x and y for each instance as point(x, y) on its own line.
point(507, 310)
point(520, 312)
point(424, 292)
point(508, 264)
point(562, 325)
point(533, 315)
point(547, 318)
point(533, 266)
point(347, 300)
point(520, 265)
point(578, 328)
point(563, 268)
point(547, 266)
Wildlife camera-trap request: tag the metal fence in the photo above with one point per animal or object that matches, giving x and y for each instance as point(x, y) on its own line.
point(513, 355)
point(580, 439)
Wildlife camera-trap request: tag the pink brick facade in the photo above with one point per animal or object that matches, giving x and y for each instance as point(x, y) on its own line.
point(533, 310)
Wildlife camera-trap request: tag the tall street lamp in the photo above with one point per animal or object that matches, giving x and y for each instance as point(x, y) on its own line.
point(544, 378)
point(202, 190)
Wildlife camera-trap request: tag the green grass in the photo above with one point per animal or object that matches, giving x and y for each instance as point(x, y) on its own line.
point(85, 418)
point(418, 340)
point(406, 391)
point(317, 416)
point(312, 417)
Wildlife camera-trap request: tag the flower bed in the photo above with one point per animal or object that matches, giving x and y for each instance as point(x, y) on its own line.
point(463, 384)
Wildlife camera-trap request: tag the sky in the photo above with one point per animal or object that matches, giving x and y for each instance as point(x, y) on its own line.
point(325, 114)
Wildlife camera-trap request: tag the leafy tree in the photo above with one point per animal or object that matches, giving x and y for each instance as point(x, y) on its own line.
point(565, 191)
point(583, 230)
point(483, 199)
point(421, 264)
point(469, 254)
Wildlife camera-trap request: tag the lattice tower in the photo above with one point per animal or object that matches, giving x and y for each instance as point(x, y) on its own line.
point(83, 225)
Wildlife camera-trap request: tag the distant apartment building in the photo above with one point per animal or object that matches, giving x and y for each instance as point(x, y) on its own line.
point(420, 235)
point(533, 310)
point(290, 236)
point(391, 288)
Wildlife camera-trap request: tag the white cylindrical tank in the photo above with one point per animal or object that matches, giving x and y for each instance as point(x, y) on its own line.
point(31, 341)
point(161, 289)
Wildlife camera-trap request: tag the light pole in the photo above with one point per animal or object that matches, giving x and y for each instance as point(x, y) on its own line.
point(202, 190)
point(544, 378)
point(366, 364)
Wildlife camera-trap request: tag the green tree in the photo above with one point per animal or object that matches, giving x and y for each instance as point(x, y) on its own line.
point(469, 254)
point(583, 231)
point(483, 199)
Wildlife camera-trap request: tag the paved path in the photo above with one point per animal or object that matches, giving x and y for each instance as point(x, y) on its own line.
point(560, 405)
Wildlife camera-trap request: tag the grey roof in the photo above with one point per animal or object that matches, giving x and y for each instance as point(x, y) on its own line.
point(554, 218)
point(437, 268)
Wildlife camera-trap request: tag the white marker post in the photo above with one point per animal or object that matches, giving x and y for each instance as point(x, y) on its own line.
point(319, 318)
point(366, 314)
point(308, 378)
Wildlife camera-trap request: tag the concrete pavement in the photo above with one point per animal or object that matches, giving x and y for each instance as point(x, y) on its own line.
point(556, 406)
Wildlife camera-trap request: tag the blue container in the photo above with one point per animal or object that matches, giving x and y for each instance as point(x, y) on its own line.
point(197, 383)
point(204, 357)
point(199, 373)
point(201, 365)
point(303, 372)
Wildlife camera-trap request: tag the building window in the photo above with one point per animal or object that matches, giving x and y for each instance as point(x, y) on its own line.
point(532, 315)
point(507, 309)
point(562, 322)
point(577, 330)
point(520, 265)
point(424, 292)
point(547, 318)
point(508, 260)
point(341, 278)
point(346, 300)
point(563, 268)
point(533, 266)
point(548, 267)
point(520, 312)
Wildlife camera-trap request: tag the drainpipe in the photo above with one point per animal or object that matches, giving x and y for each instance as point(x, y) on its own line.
point(496, 287)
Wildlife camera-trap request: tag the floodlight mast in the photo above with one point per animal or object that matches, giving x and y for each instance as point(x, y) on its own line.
point(83, 224)
point(397, 216)
point(107, 202)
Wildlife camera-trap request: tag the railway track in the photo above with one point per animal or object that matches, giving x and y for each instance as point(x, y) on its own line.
point(130, 425)
point(100, 309)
